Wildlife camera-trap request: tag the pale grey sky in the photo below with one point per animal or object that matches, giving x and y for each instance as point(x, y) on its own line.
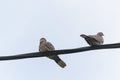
point(24, 22)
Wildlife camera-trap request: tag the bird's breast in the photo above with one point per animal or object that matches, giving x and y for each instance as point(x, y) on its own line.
point(43, 48)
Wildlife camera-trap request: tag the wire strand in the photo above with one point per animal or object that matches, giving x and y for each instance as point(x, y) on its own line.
point(59, 52)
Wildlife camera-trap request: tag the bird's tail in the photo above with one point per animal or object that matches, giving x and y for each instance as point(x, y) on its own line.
point(60, 62)
point(83, 35)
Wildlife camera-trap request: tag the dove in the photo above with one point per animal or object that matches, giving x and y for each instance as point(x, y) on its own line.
point(94, 40)
point(47, 46)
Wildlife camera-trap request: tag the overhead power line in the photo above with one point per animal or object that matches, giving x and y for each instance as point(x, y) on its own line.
point(59, 52)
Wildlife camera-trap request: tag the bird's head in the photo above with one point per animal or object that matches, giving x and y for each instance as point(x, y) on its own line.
point(42, 40)
point(100, 34)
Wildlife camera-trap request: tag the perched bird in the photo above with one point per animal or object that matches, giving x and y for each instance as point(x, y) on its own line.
point(93, 40)
point(47, 46)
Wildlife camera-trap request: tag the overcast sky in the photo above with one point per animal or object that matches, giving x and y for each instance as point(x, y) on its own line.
point(24, 22)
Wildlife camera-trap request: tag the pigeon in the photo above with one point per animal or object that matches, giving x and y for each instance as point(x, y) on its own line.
point(47, 46)
point(94, 40)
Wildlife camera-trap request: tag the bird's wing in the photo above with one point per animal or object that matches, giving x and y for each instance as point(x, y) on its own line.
point(49, 46)
point(98, 38)
point(91, 40)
